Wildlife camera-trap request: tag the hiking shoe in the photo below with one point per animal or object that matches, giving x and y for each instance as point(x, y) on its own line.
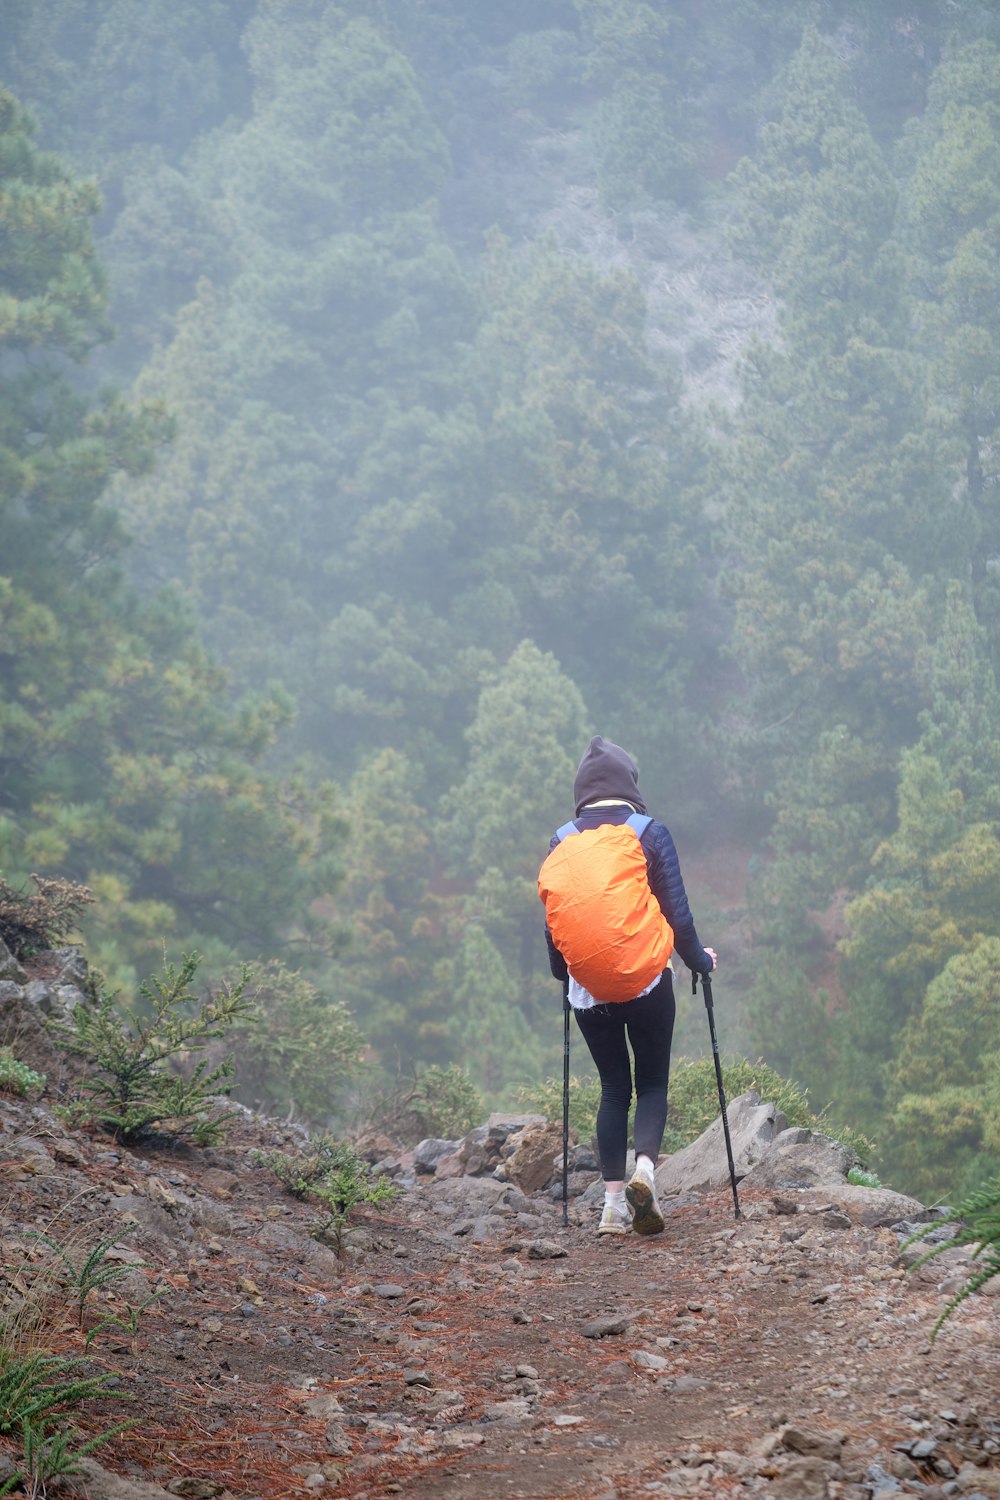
point(640, 1194)
point(615, 1219)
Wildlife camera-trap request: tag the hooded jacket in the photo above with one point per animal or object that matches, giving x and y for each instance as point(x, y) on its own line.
point(607, 774)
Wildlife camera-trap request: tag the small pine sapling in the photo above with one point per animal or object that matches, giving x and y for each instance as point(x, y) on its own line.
point(348, 1184)
point(334, 1175)
point(37, 1391)
point(130, 1088)
point(93, 1271)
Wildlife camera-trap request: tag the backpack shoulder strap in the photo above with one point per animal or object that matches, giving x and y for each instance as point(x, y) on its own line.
point(639, 822)
point(565, 831)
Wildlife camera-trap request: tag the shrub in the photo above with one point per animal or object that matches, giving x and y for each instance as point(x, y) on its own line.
point(694, 1094)
point(546, 1099)
point(31, 922)
point(37, 1390)
point(694, 1101)
point(129, 1089)
point(298, 1050)
point(349, 1183)
point(863, 1179)
point(437, 1101)
point(333, 1174)
point(299, 1172)
point(16, 1077)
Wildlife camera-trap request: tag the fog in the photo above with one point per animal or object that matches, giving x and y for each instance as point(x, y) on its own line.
point(491, 376)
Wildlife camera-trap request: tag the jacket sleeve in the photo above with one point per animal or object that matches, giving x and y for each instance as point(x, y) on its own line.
point(556, 961)
point(667, 885)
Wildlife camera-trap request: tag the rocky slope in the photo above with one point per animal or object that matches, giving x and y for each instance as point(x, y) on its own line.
point(467, 1345)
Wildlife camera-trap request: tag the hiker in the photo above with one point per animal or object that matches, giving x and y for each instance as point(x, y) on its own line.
point(629, 968)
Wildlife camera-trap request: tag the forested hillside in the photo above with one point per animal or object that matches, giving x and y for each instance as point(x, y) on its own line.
point(394, 393)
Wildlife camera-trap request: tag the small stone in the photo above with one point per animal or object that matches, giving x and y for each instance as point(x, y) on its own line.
point(813, 1443)
point(647, 1361)
point(336, 1441)
point(389, 1291)
point(324, 1405)
point(525, 1372)
point(508, 1412)
point(544, 1250)
point(801, 1479)
point(417, 1377)
point(602, 1328)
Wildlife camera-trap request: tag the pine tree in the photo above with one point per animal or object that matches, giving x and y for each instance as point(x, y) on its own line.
point(123, 764)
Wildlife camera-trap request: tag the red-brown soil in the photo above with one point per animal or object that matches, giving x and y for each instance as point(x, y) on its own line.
point(268, 1368)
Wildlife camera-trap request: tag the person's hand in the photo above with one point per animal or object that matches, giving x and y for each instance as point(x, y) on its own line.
point(714, 957)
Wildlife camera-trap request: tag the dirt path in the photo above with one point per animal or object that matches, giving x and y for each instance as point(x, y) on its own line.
point(449, 1355)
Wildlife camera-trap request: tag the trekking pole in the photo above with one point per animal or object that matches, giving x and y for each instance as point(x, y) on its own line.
point(707, 987)
point(565, 1181)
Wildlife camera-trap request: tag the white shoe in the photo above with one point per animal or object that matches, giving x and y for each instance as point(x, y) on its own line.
point(640, 1194)
point(615, 1219)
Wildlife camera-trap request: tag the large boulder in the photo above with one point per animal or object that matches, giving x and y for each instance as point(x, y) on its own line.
point(429, 1152)
point(703, 1164)
point(874, 1207)
point(536, 1158)
point(802, 1159)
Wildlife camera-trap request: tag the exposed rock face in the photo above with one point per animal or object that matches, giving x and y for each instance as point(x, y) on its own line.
point(536, 1157)
point(802, 1159)
point(9, 967)
point(703, 1165)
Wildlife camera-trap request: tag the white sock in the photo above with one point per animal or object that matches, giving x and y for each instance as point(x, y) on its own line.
point(614, 1200)
point(644, 1165)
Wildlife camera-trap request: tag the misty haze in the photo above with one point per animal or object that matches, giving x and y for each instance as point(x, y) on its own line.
point(397, 393)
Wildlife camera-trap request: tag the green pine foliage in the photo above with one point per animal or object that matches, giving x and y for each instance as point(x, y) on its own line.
point(125, 763)
point(439, 1101)
point(943, 1082)
point(299, 1052)
point(38, 1394)
point(131, 1086)
point(90, 1273)
point(333, 1176)
point(416, 485)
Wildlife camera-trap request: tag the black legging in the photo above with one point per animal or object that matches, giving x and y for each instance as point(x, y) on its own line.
point(649, 1021)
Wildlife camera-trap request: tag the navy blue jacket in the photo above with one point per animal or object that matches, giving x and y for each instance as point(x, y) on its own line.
point(664, 881)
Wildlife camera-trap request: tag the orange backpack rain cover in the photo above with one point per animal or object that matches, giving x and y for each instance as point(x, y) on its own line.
point(602, 915)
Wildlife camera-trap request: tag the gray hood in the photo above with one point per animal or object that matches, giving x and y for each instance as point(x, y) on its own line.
point(606, 770)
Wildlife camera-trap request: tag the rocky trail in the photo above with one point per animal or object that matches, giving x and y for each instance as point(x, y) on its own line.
point(467, 1345)
point(461, 1342)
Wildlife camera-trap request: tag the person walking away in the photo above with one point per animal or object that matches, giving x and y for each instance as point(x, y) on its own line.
point(615, 950)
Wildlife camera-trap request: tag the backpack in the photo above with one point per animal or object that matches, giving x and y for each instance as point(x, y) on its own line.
point(602, 915)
